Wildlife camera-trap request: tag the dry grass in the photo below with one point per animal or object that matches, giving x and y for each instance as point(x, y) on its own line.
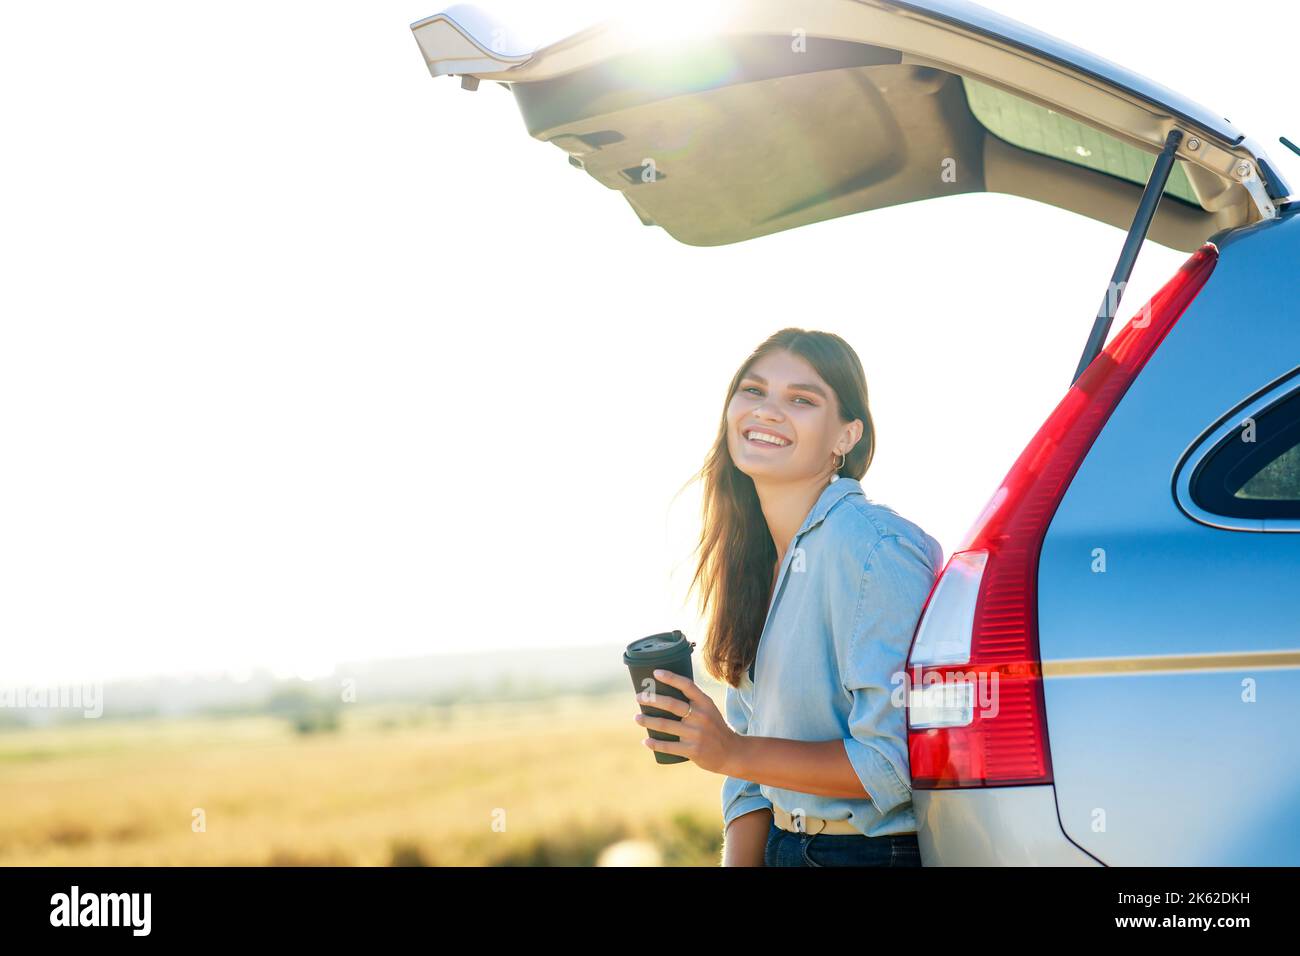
point(568, 776)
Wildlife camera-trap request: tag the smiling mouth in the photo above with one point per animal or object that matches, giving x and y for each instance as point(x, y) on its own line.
point(765, 439)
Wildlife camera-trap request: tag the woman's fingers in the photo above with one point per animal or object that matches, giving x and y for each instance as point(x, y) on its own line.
point(666, 746)
point(663, 702)
point(665, 724)
point(683, 684)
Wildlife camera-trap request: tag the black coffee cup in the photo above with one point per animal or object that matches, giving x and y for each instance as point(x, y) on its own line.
point(671, 652)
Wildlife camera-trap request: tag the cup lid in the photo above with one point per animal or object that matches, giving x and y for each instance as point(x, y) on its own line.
point(657, 648)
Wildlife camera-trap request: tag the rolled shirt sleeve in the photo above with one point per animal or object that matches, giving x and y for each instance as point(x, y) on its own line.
point(739, 796)
point(872, 636)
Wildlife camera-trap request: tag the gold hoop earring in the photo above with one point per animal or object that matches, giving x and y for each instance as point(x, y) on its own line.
point(835, 472)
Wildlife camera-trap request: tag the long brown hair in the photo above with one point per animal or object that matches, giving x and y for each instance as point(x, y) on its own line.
point(737, 554)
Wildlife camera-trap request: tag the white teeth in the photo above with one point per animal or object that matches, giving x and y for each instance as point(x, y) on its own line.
point(770, 439)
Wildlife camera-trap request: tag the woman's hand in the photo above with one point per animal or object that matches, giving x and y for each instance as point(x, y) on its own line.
point(706, 738)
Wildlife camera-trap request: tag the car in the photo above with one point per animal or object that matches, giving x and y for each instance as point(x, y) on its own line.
point(1100, 675)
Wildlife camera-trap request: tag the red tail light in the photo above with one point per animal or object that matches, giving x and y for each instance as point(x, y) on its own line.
point(975, 708)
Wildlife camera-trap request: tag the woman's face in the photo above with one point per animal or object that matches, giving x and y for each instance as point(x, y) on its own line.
point(782, 395)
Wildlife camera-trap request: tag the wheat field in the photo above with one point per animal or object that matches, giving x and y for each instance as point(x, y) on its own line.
point(561, 782)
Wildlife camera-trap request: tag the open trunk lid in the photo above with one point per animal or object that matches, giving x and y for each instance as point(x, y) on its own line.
point(787, 112)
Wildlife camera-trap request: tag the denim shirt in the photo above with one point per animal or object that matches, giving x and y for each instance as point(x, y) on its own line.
point(838, 630)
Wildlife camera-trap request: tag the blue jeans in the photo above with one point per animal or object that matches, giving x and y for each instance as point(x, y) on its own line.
point(839, 849)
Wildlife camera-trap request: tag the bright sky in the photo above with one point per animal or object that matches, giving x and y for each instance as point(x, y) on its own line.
point(309, 357)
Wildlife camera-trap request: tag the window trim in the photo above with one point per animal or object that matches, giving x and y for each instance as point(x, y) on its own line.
point(1209, 441)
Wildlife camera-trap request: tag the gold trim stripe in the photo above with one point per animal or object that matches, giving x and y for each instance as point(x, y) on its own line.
point(1170, 663)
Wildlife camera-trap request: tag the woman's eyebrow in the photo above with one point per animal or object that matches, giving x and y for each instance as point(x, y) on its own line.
point(815, 389)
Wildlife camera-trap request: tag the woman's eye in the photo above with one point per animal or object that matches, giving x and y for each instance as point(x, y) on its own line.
point(755, 390)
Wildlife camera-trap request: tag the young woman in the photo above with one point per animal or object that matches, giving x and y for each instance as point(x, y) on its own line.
point(815, 592)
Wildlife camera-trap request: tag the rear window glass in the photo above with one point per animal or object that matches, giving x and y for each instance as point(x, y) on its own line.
point(1255, 470)
point(1040, 130)
point(1279, 480)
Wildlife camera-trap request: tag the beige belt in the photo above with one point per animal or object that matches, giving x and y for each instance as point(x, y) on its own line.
point(811, 825)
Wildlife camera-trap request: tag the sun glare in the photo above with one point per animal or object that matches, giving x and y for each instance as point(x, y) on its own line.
point(529, 25)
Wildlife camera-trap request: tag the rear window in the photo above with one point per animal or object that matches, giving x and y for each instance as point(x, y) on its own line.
point(1040, 130)
point(1255, 471)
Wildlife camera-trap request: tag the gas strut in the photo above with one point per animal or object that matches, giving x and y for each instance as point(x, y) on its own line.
point(1137, 232)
